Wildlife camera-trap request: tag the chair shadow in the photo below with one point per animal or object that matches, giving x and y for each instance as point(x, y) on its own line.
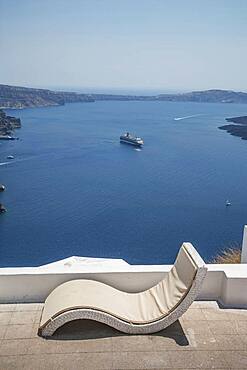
point(88, 329)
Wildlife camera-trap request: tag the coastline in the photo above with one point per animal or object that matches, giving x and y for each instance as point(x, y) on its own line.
point(8, 124)
point(17, 97)
point(237, 128)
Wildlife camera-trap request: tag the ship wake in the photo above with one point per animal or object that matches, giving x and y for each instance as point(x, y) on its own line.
point(186, 117)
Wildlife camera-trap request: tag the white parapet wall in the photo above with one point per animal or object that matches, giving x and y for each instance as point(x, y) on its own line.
point(224, 283)
point(244, 246)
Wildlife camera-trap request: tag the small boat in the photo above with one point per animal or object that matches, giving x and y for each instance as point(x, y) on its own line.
point(10, 157)
point(2, 187)
point(130, 139)
point(228, 203)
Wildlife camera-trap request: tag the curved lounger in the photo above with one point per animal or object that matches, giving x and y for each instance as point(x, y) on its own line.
point(134, 313)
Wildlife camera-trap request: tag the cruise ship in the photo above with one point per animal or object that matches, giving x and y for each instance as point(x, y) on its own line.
point(130, 139)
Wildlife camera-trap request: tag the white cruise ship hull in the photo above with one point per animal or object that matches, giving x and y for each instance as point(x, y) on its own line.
point(135, 143)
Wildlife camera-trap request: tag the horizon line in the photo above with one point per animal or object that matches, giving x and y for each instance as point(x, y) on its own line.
point(125, 89)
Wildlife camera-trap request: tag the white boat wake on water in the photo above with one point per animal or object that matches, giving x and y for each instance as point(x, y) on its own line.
point(185, 117)
point(12, 162)
point(138, 150)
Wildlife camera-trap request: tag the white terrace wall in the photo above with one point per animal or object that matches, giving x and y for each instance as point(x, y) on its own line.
point(225, 283)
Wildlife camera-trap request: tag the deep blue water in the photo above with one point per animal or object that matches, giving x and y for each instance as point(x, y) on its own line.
point(73, 189)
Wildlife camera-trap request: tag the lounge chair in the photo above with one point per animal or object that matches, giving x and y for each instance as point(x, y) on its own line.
point(134, 313)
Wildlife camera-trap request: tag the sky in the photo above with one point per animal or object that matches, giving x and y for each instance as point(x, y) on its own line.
point(159, 45)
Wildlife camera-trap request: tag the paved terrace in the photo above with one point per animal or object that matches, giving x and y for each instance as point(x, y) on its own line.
point(205, 337)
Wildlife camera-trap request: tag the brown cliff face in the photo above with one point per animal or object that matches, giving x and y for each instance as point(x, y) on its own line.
point(23, 97)
point(238, 128)
point(8, 123)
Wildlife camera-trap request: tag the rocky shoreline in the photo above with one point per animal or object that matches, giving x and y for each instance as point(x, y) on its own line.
point(8, 124)
point(238, 128)
point(25, 97)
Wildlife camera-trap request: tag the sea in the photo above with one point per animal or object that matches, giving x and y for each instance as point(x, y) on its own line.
point(73, 189)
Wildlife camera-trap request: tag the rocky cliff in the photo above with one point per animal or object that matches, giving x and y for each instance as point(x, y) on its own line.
point(8, 123)
point(23, 97)
point(206, 96)
point(238, 128)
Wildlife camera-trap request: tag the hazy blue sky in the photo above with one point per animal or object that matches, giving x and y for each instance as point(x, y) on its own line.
point(131, 44)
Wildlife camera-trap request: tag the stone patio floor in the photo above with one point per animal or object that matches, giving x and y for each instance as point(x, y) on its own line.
point(206, 337)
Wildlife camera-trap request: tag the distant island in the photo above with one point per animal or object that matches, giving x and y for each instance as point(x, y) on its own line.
point(24, 97)
point(239, 128)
